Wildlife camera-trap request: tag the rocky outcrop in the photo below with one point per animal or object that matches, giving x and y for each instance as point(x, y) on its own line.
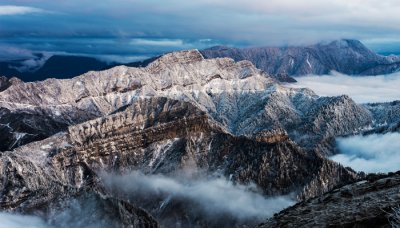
point(344, 56)
point(365, 203)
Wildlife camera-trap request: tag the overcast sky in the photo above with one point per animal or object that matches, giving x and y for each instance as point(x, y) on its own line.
point(140, 28)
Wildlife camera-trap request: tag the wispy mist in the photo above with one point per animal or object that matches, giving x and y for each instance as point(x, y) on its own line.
point(21, 221)
point(372, 153)
point(213, 199)
point(86, 211)
point(362, 89)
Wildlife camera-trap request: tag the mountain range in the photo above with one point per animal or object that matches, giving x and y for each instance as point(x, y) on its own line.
point(345, 56)
point(182, 114)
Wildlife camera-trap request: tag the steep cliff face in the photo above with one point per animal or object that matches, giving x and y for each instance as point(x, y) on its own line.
point(362, 204)
point(345, 56)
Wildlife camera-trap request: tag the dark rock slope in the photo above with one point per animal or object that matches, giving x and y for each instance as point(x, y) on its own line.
point(367, 203)
point(344, 56)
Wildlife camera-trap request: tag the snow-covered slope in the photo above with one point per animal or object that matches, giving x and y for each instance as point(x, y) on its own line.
point(235, 94)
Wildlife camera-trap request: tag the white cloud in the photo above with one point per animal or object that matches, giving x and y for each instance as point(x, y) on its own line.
point(213, 198)
point(372, 153)
point(8, 52)
point(21, 221)
point(33, 64)
point(18, 10)
point(362, 89)
point(157, 42)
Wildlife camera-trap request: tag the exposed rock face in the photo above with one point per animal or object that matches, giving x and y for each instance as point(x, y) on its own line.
point(366, 203)
point(344, 56)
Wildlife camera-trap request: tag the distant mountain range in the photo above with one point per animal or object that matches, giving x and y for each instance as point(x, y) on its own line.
point(62, 67)
point(344, 56)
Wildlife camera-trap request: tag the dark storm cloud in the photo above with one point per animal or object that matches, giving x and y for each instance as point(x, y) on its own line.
point(184, 24)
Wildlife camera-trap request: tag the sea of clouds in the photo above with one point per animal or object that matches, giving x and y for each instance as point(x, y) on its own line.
point(371, 153)
point(362, 89)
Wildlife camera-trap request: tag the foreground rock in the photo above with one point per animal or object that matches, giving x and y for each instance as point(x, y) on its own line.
point(367, 203)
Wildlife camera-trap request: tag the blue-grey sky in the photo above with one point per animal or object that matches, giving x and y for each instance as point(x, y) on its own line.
point(136, 29)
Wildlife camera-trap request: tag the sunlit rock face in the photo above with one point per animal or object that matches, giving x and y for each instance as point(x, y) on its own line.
point(180, 114)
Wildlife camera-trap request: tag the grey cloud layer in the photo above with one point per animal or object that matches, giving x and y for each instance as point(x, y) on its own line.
point(109, 49)
point(257, 22)
point(21, 221)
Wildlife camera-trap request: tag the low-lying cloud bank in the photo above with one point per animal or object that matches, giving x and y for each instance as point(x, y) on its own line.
point(179, 201)
point(362, 89)
point(208, 200)
point(371, 154)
